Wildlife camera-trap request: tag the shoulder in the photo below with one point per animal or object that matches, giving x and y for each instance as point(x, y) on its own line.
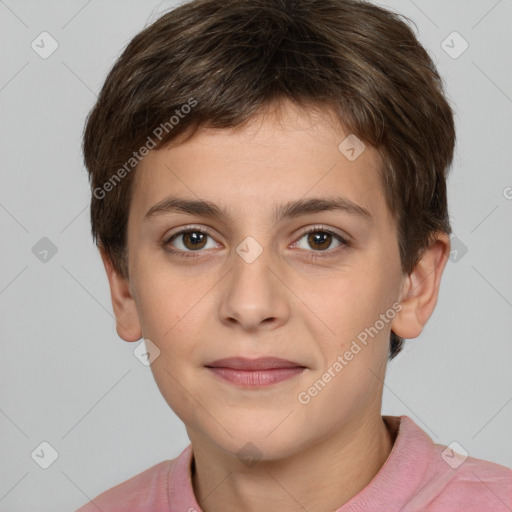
point(474, 485)
point(439, 479)
point(146, 489)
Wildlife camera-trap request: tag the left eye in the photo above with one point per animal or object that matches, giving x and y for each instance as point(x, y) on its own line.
point(320, 239)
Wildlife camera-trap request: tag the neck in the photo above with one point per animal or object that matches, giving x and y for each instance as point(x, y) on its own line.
point(321, 478)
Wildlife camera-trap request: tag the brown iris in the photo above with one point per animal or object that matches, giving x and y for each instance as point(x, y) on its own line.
point(320, 238)
point(196, 239)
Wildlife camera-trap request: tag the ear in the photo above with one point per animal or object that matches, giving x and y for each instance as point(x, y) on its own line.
point(127, 319)
point(421, 289)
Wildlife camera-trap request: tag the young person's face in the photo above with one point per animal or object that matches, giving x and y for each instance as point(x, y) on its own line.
point(304, 298)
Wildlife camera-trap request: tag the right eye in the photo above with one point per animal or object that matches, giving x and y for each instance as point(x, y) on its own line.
point(188, 240)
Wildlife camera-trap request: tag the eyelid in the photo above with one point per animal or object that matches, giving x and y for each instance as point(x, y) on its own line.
point(302, 232)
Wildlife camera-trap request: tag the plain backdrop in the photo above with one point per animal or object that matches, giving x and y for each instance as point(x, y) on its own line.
point(66, 377)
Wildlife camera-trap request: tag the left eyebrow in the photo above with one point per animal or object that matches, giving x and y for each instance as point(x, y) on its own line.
point(288, 210)
point(321, 204)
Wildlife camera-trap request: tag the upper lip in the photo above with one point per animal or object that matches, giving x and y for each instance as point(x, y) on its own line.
point(261, 363)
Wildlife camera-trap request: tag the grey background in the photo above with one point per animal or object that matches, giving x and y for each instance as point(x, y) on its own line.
point(67, 379)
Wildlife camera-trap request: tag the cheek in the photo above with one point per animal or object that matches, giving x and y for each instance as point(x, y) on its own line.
point(350, 308)
point(170, 312)
point(163, 300)
point(173, 311)
point(343, 301)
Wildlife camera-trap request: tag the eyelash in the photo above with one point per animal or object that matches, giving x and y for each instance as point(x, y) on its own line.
point(313, 254)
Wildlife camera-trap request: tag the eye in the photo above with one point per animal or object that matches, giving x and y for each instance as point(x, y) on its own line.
point(321, 240)
point(188, 240)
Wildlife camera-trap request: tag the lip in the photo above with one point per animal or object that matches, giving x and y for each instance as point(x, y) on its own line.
point(255, 373)
point(260, 363)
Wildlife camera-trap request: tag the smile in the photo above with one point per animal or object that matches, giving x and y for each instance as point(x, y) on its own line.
point(255, 373)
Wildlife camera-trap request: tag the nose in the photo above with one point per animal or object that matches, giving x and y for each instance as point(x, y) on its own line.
point(254, 294)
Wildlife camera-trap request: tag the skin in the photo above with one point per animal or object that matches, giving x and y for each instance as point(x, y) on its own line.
point(285, 304)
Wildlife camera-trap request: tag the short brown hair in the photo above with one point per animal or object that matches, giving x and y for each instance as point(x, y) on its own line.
point(227, 60)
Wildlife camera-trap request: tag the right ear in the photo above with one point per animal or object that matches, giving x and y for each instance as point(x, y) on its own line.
point(127, 318)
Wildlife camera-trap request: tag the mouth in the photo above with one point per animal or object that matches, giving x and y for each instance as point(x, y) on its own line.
point(255, 373)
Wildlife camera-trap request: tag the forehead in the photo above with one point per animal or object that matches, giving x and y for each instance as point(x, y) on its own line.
point(275, 158)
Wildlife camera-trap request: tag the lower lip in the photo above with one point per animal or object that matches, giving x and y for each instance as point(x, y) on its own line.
point(256, 378)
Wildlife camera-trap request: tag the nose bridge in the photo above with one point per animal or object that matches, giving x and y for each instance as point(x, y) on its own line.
point(252, 278)
point(252, 293)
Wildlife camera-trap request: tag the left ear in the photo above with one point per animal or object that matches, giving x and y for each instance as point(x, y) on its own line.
point(421, 289)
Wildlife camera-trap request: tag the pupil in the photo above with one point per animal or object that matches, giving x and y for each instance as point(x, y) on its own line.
point(320, 238)
point(195, 238)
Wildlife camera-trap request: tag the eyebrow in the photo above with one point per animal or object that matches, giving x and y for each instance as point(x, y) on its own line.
point(288, 210)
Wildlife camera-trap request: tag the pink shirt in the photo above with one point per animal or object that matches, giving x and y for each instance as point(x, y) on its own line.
point(417, 476)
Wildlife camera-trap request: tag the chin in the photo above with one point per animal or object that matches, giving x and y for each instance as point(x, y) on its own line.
point(257, 440)
point(250, 452)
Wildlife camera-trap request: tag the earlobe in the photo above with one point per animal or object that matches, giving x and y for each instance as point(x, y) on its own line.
point(127, 320)
point(421, 289)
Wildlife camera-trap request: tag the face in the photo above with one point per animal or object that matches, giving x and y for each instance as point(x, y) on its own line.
point(264, 270)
